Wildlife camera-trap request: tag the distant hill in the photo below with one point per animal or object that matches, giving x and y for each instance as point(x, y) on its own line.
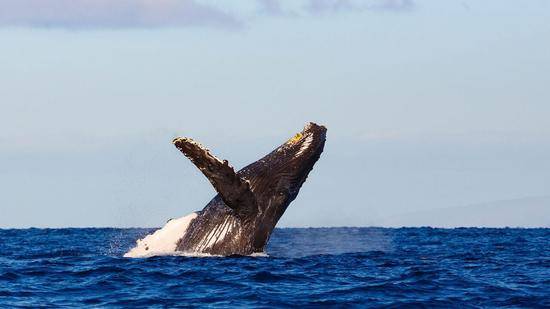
point(525, 212)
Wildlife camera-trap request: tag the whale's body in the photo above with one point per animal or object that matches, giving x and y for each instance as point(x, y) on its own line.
point(250, 202)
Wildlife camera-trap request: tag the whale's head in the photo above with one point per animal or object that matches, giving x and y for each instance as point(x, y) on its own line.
point(277, 178)
point(291, 162)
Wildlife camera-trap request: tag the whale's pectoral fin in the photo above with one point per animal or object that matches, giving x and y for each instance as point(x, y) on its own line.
point(234, 190)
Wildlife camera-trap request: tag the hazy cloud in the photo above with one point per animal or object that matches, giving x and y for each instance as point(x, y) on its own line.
point(271, 7)
point(93, 14)
point(313, 7)
point(394, 5)
point(320, 6)
point(112, 14)
point(324, 6)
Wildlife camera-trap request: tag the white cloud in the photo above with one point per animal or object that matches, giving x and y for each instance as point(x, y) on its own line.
point(93, 14)
point(327, 6)
point(82, 14)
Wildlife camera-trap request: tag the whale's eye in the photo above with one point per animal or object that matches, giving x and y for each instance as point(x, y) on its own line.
point(295, 138)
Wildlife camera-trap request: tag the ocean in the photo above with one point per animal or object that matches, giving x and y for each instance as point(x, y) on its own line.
point(302, 267)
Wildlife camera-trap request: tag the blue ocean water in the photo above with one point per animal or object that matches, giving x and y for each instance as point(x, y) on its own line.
point(374, 267)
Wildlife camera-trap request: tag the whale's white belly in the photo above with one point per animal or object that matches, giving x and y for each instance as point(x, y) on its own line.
point(163, 241)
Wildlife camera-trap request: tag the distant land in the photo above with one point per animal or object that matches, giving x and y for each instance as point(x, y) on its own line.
point(525, 212)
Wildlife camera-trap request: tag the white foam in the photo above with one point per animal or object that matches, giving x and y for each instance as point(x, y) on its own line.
point(163, 241)
point(259, 254)
point(199, 254)
point(177, 253)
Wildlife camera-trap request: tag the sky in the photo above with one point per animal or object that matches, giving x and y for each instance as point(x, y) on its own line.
point(428, 105)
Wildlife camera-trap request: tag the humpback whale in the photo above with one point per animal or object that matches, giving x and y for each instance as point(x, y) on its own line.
point(240, 218)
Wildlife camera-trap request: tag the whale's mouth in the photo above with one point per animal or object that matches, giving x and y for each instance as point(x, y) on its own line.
point(307, 142)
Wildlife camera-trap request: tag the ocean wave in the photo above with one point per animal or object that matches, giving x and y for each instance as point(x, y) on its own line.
point(301, 267)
